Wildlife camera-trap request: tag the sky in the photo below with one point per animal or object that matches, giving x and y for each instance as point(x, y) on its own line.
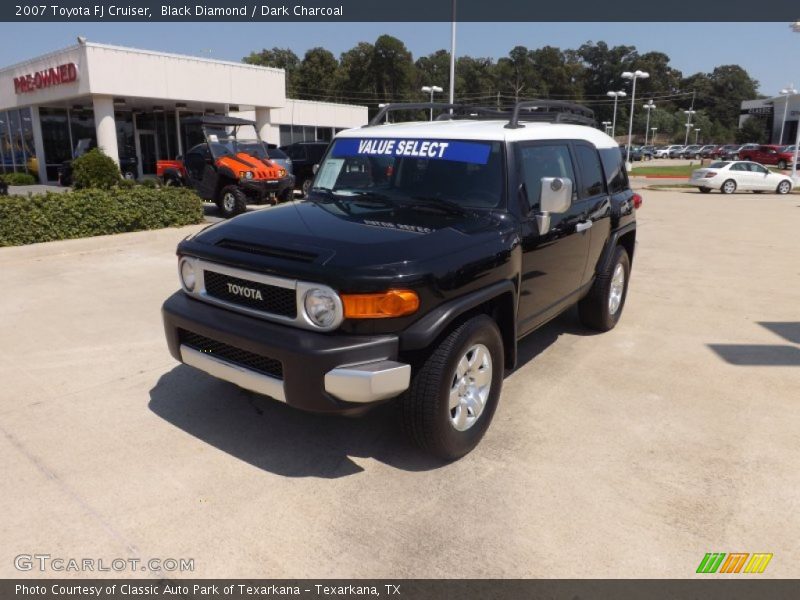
point(770, 52)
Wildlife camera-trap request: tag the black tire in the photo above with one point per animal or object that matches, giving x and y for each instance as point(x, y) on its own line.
point(784, 187)
point(705, 190)
point(231, 201)
point(782, 165)
point(305, 187)
point(286, 195)
point(172, 181)
point(728, 189)
point(594, 309)
point(425, 411)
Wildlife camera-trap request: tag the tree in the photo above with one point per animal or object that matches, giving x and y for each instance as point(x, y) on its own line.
point(516, 73)
point(475, 79)
point(317, 74)
point(754, 129)
point(392, 69)
point(355, 76)
point(558, 74)
point(434, 69)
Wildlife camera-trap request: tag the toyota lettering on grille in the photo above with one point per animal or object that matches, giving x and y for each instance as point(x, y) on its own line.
point(245, 292)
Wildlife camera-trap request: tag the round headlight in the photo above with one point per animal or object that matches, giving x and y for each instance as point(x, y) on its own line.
point(248, 174)
point(320, 307)
point(188, 277)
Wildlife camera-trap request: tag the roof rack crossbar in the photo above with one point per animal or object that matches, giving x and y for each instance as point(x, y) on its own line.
point(378, 118)
point(564, 112)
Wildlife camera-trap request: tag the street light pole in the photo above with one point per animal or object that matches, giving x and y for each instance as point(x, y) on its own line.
point(633, 77)
point(653, 137)
point(648, 107)
point(696, 132)
point(787, 93)
point(453, 56)
point(615, 96)
point(432, 89)
point(688, 114)
point(606, 125)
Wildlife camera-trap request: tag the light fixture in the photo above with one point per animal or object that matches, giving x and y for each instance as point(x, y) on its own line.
point(616, 96)
point(633, 76)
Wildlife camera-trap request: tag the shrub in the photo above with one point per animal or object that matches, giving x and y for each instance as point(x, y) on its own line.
point(84, 213)
point(18, 178)
point(149, 183)
point(95, 169)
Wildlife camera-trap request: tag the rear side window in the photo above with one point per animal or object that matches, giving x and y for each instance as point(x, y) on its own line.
point(614, 167)
point(591, 171)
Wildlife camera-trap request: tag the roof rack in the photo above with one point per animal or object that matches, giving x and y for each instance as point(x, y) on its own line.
point(549, 111)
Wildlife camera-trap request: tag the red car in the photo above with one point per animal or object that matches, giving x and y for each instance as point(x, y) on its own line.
point(768, 155)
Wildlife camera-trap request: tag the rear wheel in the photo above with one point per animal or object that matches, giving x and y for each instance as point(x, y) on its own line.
point(602, 307)
point(305, 187)
point(784, 187)
point(232, 201)
point(454, 393)
point(705, 190)
point(782, 164)
point(728, 187)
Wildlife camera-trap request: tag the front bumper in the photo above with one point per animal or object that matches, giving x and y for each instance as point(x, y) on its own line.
point(260, 189)
point(318, 372)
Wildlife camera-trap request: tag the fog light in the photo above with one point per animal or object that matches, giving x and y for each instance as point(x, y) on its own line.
point(188, 277)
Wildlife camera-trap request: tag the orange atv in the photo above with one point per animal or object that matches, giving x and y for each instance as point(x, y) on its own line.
point(231, 167)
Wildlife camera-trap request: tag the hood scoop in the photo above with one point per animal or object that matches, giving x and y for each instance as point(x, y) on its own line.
point(270, 251)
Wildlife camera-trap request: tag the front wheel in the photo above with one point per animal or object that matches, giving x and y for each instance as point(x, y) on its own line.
point(454, 392)
point(306, 187)
point(232, 201)
point(784, 187)
point(602, 307)
point(728, 187)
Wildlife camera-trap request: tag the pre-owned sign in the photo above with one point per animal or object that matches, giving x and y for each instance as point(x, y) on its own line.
point(66, 73)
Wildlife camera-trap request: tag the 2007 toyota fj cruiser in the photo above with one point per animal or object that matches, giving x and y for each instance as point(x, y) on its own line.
point(421, 256)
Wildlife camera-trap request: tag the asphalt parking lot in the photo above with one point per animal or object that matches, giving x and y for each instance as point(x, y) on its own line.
point(626, 454)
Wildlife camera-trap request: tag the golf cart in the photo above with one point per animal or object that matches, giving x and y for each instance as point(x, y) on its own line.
point(231, 167)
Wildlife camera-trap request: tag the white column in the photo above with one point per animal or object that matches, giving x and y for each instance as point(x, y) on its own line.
point(106, 126)
point(38, 143)
point(264, 125)
point(178, 131)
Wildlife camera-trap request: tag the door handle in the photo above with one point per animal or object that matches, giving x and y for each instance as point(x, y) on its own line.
point(583, 226)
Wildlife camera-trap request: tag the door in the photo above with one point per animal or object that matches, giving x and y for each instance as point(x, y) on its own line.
point(595, 194)
point(553, 261)
point(742, 176)
point(148, 152)
point(760, 177)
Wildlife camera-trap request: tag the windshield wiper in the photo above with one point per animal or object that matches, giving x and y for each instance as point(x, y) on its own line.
point(440, 204)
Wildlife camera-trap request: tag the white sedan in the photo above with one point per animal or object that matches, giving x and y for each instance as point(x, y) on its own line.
point(739, 175)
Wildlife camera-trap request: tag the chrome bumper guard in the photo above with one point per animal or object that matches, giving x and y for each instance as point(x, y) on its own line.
point(245, 378)
point(368, 382)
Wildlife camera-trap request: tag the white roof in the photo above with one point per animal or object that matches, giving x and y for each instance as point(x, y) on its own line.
point(465, 129)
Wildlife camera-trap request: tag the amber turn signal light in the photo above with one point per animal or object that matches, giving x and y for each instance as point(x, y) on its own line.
point(394, 303)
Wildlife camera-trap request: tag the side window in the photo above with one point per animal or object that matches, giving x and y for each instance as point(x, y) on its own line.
point(591, 171)
point(614, 167)
point(739, 167)
point(535, 162)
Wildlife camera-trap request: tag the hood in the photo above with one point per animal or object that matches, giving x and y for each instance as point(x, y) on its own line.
point(376, 238)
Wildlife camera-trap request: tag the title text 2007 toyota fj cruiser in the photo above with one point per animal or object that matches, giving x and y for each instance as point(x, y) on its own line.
point(423, 253)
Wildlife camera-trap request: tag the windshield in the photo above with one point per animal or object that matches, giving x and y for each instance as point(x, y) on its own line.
point(226, 141)
point(445, 173)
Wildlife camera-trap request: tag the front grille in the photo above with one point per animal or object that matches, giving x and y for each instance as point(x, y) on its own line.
point(273, 299)
point(255, 362)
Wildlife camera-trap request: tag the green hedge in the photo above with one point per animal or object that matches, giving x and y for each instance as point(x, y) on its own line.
point(18, 178)
point(95, 169)
point(53, 216)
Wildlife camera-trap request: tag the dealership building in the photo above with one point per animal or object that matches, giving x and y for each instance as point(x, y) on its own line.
point(770, 112)
point(131, 103)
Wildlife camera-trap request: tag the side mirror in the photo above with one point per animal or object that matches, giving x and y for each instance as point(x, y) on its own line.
point(315, 168)
point(556, 197)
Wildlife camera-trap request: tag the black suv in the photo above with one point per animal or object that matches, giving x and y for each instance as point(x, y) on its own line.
point(304, 156)
point(422, 254)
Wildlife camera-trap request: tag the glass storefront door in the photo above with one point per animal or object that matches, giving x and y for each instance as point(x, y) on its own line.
point(148, 151)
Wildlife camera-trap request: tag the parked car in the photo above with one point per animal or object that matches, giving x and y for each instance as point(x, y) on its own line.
point(638, 153)
point(649, 151)
point(675, 151)
point(418, 260)
point(725, 152)
point(304, 156)
point(280, 158)
point(731, 176)
point(708, 150)
point(662, 152)
point(691, 151)
point(767, 154)
point(737, 154)
point(128, 163)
